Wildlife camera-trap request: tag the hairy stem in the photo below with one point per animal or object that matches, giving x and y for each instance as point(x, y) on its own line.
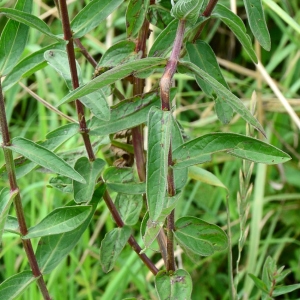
point(14, 191)
point(165, 85)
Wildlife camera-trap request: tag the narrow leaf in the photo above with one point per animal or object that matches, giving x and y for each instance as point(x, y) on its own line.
point(90, 171)
point(282, 290)
point(6, 199)
point(128, 188)
point(28, 66)
point(259, 283)
point(53, 249)
point(60, 220)
point(205, 176)
point(29, 20)
point(159, 131)
point(177, 285)
point(92, 15)
point(15, 285)
point(200, 237)
point(112, 245)
point(13, 39)
point(225, 95)
point(237, 26)
point(12, 225)
point(129, 207)
point(257, 22)
point(164, 42)
point(159, 16)
point(194, 151)
point(135, 16)
point(43, 157)
point(113, 75)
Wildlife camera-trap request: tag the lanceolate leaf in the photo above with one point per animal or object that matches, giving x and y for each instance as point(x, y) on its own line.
point(96, 101)
point(60, 220)
point(164, 41)
point(15, 285)
point(92, 15)
point(225, 95)
point(126, 114)
point(135, 16)
point(12, 225)
point(237, 27)
point(113, 75)
point(90, 171)
point(199, 236)
point(159, 131)
point(282, 290)
point(13, 39)
point(198, 150)
point(43, 157)
point(177, 285)
point(159, 16)
point(6, 199)
point(112, 245)
point(128, 188)
point(28, 66)
point(203, 56)
point(29, 20)
point(52, 249)
point(257, 22)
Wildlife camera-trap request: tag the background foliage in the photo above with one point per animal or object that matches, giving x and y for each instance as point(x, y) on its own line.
point(275, 205)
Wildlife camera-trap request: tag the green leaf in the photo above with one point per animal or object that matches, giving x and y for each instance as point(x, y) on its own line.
point(29, 20)
point(176, 285)
point(257, 22)
point(12, 225)
point(200, 237)
point(92, 15)
point(159, 133)
point(187, 10)
point(165, 40)
point(96, 101)
point(205, 176)
point(129, 207)
point(126, 114)
point(6, 199)
point(60, 220)
point(199, 150)
point(13, 39)
point(135, 16)
point(15, 285)
point(259, 283)
point(237, 26)
point(118, 175)
point(282, 290)
point(203, 56)
point(53, 249)
point(268, 268)
point(113, 75)
point(128, 188)
point(61, 183)
point(28, 66)
point(90, 171)
point(112, 245)
point(117, 54)
point(159, 16)
point(43, 157)
point(225, 95)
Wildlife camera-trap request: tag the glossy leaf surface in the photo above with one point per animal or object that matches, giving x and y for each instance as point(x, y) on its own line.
point(200, 237)
point(199, 150)
point(159, 134)
point(177, 285)
point(43, 157)
point(60, 220)
point(90, 171)
point(112, 245)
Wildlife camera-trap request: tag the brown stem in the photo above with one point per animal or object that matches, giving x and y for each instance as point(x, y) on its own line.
point(132, 242)
point(14, 190)
point(86, 54)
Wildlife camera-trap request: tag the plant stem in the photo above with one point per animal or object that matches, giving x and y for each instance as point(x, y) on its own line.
point(14, 191)
point(84, 131)
point(165, 85)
